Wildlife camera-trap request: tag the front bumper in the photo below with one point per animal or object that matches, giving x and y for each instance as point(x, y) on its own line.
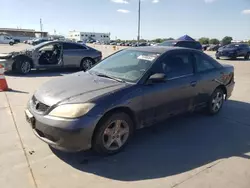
point(230, 88)
point(69, 135)
point(7, 64)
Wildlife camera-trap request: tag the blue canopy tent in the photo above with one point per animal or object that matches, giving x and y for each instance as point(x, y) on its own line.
point(186, 37)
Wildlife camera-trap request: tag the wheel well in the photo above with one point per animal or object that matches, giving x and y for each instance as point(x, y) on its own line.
point(18, 58)
point(125, 110)
point(223, 88)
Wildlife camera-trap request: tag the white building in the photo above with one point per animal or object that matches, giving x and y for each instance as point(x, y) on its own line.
point(83, 36)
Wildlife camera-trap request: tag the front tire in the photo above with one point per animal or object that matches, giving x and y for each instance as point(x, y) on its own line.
point(86, 64)
point(11, 43)
point(215, 102)
point(113, 134)
point(24, 66)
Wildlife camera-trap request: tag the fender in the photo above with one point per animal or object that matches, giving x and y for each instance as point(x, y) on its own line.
point(18, 57)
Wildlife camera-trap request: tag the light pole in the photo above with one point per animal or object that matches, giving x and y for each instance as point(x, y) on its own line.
point(139, 23)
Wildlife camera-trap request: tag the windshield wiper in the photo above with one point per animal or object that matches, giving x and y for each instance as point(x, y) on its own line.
point(111, 77)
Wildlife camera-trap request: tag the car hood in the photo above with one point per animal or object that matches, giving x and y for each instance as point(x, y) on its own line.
point(5, 56)
point(13, 54)
point(80, 87)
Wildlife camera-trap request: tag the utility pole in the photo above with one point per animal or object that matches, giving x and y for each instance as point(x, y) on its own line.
point(139, 23)
point(41, 25)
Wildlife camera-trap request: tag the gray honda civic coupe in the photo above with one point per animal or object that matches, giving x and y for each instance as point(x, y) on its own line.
point(134, 88)
point(51, 55)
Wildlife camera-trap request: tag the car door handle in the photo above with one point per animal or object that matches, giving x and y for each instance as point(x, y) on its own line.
point(193, 83)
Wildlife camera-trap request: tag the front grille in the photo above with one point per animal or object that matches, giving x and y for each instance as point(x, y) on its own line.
point(39, 106)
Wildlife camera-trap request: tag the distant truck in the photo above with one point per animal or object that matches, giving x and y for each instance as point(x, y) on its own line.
point(4, 39)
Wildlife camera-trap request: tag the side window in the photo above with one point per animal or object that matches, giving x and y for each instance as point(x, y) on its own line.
point(177, 64)
point(69, 46)
point(203, 63)
point(189, 44)
point(181, 44)
point(47, 48)
point(245, 46)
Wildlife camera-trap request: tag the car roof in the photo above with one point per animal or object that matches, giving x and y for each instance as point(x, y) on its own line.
point(159, 49)
point(60, 41)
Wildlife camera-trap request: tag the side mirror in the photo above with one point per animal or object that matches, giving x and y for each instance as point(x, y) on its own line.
point(157, 77)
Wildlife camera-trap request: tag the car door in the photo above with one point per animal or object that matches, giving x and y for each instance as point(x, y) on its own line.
point(206, 70)
point(175, 95)
point(6, 40)
point(241, 50)
point(73, 54)
point(38, 53)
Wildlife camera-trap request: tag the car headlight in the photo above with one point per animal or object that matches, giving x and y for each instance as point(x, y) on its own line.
point(72, 110)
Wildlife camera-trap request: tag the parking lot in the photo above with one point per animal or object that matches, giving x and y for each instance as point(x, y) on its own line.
point(189, 151)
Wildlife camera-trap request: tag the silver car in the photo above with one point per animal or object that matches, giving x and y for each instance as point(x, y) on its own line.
point(52, 54)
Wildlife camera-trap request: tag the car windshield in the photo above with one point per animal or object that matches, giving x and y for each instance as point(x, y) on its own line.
point(38, 45)
point(167, 43)
point(126, 65)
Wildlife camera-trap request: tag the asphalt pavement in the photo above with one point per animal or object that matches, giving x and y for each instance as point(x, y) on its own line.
point(188, 151)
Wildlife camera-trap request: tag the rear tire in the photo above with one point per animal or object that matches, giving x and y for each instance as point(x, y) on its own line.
point(215, 102)
point(86, 64)
point(11, 43)
point(247, 56)
point(107, 132)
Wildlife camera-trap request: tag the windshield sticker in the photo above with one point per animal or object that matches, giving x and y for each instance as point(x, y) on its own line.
point(148, 57)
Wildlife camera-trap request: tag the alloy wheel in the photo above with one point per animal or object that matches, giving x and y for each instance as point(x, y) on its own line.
point(115, 135)
point(25, 67)
point(217, 101)
point(87, 64)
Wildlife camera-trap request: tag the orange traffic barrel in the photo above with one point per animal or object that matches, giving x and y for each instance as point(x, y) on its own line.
point(3, 82)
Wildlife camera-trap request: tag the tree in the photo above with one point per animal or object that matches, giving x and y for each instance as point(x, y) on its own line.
point(226, 40)
point(158, 40)
point(214, 41)
point(204, 40)
point(248, 42)
point(168, 39)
